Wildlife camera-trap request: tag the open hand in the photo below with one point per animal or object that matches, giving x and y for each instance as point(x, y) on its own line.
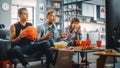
point(64, 34)
point(48, 34)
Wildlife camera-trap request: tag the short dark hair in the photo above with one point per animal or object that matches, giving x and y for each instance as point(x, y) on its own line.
point(20, 10)
point(49, 12)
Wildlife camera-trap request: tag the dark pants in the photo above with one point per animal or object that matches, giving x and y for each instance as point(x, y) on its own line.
point(18, 51)
point(51, 40)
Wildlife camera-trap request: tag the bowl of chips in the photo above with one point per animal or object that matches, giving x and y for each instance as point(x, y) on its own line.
point(60, 45)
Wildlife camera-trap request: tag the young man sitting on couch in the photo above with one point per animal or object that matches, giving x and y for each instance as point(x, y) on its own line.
point(21, 44)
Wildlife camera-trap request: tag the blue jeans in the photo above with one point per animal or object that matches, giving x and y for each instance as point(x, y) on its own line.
point(18, 51)
point(51, 40)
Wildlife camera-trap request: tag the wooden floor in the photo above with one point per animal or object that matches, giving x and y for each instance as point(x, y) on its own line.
point(37, 64)
point(91, 58)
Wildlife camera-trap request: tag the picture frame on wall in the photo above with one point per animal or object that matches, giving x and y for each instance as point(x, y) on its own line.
point(41, 6)
point(41, 12)
point(41, 18)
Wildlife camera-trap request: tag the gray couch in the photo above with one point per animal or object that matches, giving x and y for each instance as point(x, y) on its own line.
point(5, 45)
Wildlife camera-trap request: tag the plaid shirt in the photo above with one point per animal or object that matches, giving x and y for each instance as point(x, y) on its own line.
point(72, 34)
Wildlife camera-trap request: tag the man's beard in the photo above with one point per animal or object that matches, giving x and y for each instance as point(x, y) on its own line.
point(50, 22)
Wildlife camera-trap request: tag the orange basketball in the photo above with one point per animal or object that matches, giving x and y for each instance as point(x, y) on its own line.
point(30, 33)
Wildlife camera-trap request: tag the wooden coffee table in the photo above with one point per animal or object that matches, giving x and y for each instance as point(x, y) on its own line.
point(100, 63)
point(78, 50)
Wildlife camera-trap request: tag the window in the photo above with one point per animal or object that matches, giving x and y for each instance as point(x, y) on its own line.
point(14, 12)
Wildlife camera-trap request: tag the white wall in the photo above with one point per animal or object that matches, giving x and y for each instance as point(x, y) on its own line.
point(94, 35)
point(5, 16)
point(85, 27)
point(24, 2)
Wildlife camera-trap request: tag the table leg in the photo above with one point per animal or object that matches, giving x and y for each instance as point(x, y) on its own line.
point(1, 66)
point(100, 63)
point(113, 62)
point(78, 60)
point(86, 60)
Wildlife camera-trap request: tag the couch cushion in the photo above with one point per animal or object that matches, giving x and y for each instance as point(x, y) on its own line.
point(4, 34)
point(4, 46)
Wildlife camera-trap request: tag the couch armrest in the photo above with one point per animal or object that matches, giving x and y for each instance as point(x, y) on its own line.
point(4, 46)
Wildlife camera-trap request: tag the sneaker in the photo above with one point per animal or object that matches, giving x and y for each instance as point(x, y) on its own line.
point(52, 63)
point(27, 66)
point(47, 65)
point(84, 61)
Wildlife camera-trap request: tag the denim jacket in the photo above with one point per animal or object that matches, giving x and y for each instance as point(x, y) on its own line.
point(43, 28)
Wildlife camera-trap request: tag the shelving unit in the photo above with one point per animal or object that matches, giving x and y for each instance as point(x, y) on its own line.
point(56, 5)
point(67, 9)
point(72, 8)
point(80, 9)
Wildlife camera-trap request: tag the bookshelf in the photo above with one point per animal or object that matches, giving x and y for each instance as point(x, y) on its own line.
point(72, 9)
point(79, 8)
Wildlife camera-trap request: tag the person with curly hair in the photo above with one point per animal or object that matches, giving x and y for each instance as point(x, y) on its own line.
point(74, 33)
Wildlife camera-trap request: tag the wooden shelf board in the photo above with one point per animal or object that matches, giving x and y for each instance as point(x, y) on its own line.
point(56, 0)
